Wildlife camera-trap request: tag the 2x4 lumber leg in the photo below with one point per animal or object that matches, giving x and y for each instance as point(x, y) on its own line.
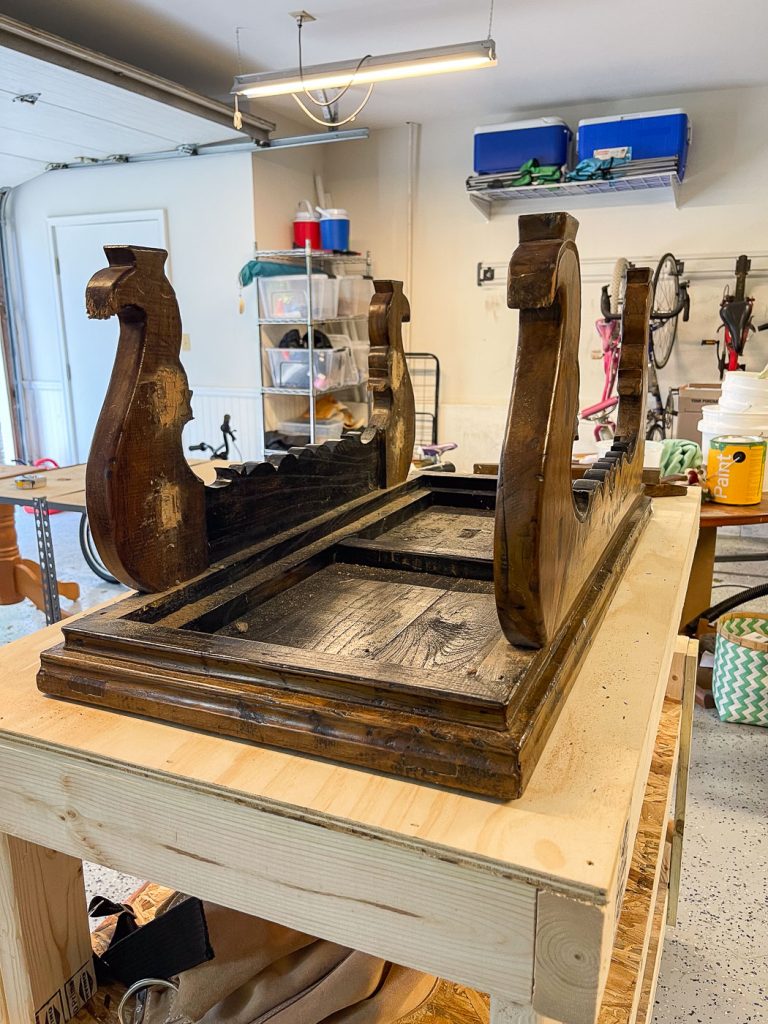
point(46, 967)
point(683, 767)
point(505, 1012)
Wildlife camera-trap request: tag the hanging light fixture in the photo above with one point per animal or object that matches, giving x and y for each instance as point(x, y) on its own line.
point(302, 81)
point(412, 63)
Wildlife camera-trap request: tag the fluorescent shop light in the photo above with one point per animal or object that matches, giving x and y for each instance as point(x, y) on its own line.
point(437, 60)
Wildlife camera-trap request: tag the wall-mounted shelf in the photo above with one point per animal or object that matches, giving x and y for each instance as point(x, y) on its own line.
point(486, 196)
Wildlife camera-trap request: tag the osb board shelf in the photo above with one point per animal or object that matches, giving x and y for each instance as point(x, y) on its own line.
point(639, 936)
point(645, 885)
point(460, 886)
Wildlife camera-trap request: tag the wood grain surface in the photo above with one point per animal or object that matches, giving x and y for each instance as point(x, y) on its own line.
point(551, 536)
point(145, 506)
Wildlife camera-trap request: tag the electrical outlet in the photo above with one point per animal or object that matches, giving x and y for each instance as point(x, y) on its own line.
point(186, 344)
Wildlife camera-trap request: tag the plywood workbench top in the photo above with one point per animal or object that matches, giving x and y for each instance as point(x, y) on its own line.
point(567, 827)
point(518, 899)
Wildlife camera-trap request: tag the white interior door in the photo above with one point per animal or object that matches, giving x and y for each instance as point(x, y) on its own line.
point(89, 346)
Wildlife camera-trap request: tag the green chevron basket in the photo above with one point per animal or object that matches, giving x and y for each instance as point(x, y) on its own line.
point(740, 676)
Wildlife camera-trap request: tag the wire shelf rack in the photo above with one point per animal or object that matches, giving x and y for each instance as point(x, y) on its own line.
point(485, 196)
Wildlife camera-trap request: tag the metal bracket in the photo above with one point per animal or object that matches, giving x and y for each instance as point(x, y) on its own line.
point(48, 578)
point(486, 273)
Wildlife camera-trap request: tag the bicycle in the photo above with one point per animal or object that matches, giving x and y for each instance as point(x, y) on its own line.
point(670, 299)
point(87, 546)
point(222, 452)
point(736, 314)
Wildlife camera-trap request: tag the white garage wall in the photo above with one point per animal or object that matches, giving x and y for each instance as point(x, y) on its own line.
point(209, 209)
point(724, 210)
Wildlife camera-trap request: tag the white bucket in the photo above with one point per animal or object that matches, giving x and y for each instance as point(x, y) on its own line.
point(741, 409)
point(744, 393)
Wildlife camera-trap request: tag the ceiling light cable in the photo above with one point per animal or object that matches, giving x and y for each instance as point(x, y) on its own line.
point(490, 22)
point(329, 105)
point(342, 91)
point(335, 124)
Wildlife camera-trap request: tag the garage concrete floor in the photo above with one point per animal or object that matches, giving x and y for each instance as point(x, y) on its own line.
point(714, 965)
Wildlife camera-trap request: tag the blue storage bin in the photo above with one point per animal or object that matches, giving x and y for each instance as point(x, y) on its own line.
point(650, 135)
point(500, 148)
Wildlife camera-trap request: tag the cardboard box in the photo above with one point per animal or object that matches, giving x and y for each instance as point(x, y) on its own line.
point(690, 402)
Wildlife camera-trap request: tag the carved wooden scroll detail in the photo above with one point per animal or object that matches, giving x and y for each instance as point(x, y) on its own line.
point(145, 505)
point(393, 413)
point(154, 523)
point(551, 536)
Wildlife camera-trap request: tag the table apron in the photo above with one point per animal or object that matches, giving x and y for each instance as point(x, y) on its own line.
point(417, 906)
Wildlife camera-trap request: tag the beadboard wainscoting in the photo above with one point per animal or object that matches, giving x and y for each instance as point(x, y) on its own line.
point(48, 428)
point(209, 404)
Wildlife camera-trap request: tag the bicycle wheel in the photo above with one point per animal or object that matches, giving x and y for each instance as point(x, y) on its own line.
point(90, 554)
point(666, 299)
point(655, 432)
point(618, 284)
point(669, 415)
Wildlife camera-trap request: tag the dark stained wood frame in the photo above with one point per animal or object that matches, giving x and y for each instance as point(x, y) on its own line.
point(240, 650)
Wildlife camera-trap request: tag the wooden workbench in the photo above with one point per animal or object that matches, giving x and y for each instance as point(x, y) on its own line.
point(521, 900)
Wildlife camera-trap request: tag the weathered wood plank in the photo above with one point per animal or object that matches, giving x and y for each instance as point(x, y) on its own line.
point(452, 634)
point(436, 530)
point(337, 612)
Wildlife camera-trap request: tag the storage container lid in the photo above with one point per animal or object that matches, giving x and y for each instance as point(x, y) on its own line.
point(296, 279)
point(335, 213)
point(306, 214)
point(519, 126)
point(632, 117)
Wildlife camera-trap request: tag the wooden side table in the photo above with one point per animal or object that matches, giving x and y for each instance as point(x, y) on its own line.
point(64, 491)
point(555, 903)
point(22, 578)
point(713, 516)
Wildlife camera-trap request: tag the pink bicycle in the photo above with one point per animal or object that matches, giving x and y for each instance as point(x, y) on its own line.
point(601, 412)
point(670, 299)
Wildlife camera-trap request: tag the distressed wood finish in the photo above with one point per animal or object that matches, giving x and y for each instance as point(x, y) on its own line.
point(393, 412)
point(145, 505)
point(154, 523)
point(354, 616)
point(551, 536)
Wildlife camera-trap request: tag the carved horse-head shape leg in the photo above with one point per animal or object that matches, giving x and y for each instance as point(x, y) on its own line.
point(551, 535)
point(145, 505)
point(151, 517)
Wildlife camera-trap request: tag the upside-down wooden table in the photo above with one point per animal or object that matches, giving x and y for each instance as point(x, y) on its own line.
point(554, 903)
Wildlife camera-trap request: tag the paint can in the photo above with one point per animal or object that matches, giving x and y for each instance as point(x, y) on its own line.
point(735, 465)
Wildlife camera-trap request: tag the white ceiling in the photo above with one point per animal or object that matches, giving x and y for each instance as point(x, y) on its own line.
point(550, 51)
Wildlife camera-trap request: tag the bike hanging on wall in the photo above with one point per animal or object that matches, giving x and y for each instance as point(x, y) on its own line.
point(736, 310)
point(670, 299)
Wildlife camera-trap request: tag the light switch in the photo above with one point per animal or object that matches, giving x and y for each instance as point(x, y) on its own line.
point(186, 344)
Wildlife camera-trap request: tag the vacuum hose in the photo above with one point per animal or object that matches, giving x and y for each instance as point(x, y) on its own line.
point(713, 613)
